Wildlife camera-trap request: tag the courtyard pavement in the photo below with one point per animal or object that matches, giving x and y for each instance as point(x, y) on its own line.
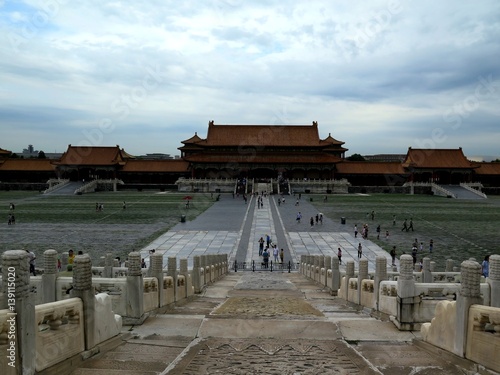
point(232, 227)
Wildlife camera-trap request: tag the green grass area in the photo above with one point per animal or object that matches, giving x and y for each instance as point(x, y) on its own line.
point(142, 208)
point(62, 222)
point(460, 229)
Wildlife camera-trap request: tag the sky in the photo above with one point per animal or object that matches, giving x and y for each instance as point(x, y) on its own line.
point(380, 76)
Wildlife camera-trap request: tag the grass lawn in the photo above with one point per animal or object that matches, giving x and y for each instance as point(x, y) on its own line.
point(64, 222)
point(460, 229)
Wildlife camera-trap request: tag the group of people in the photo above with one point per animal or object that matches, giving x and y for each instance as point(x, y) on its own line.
point(265, 251)
point(364, 231)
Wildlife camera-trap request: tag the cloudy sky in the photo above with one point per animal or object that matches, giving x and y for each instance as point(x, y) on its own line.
point(379, 75)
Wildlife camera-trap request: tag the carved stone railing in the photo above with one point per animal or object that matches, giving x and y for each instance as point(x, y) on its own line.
point(60, 333)
point(483, 336)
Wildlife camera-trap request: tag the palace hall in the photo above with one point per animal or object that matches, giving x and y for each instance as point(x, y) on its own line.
point(251, 152)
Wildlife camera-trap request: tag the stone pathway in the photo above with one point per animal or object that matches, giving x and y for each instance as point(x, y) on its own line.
point(223, 230)
point(269, 323)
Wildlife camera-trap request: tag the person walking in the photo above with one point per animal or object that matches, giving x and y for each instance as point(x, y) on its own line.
point(311, 221)
point(393, 255)
point(282, 256)
point(360, 251)
point(32, 257)
point(265, 257)
point(410, 226)
point(299, 216)
point(431, 245)
point(378, 232)
point(339, 255)
point(485, 266)
point(275, 253)
point(405, 226)
point(355, 231)
point(261, 246)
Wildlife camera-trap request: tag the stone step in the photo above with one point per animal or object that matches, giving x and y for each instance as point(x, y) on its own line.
point(98, 371)
point(133, 366)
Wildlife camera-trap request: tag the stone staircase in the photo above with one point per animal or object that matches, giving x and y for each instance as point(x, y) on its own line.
point(461, 193)
point(66, 189)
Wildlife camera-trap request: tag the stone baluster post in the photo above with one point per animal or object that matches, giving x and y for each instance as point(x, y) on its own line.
point(302, 261)
point(172, 272)
point(362, 275)
point(494, 280)
point(156, 260)
point(426, 270)
point(183, 266)
point(83, 289)
point(49, 276)
point(196, 274)
point(316, 267)
point(406, 293)
point(335, 276)
point(135, 288)
point(327, 265)
point(449, 265)
point(108, 265)
point(116, 263)
point(380, 275)
point(203, 264)
point(349, 273)
point(432, 266)
point(16, 281)
point(469, 294)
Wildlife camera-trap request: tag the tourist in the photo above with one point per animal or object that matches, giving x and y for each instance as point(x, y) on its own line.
point(71, 257)
point(431, 246)
point(339, 255)
point(317, 219)
point(393, 255)
point(485, 266)
point(143, 263)
point(393, 220)
point(299, 216)
point(80, 252)
point(360, 250)
point(268, 240)
point(311, 221)
point(405, 226)
point(265, 257)
point(410, 226)
point(373, 215)
point(386, 234)
point(320, 218)
point(261, 246)
point(124, 205)
point(378, 232)
point(355, 231)
point(282, 255)
point(32, 257)
point(414, 254)
point(275, 254)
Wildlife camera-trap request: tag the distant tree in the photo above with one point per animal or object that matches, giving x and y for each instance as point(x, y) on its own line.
point(41, 155)
point(14, 156)
point(356, 157)
point(496, 160)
